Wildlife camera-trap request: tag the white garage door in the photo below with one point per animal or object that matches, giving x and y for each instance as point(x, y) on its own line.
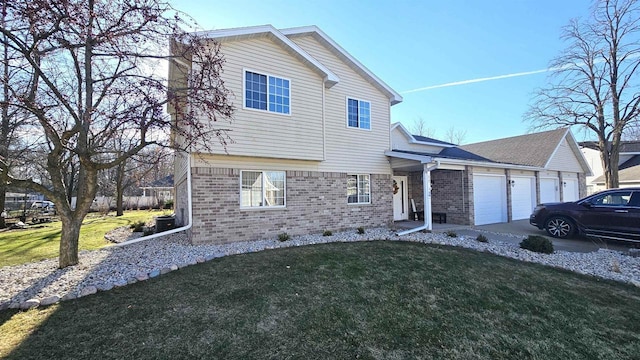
point(549, 190)
point(489, 199)
point(570, 191)
point(523, 197)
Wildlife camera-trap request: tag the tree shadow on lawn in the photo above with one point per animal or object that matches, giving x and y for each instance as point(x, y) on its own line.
point(367, 300)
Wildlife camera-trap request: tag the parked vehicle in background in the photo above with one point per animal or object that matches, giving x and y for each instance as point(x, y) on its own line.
point(42, 211)
point(610, 214)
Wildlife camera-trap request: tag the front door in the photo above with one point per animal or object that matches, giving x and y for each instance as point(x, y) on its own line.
point(400, 198)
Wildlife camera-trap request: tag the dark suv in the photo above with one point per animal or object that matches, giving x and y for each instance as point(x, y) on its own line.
point(610, 214)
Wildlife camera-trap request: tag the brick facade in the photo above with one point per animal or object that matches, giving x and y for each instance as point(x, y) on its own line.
point(315, 201)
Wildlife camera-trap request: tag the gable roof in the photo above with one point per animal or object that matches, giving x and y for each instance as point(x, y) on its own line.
point(282, 38)
point(417, 139)
point(625, 146)
point(535, 149)
point(330, 78)
point(629, 171)
point(346, 57)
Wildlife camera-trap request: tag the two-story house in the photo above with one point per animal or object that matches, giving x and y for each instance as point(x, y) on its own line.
point(310, 132)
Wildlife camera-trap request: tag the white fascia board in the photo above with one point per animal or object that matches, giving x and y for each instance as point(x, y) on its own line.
point(486, 164)
point(330, 78)
point(395, 97)
point(423, 159)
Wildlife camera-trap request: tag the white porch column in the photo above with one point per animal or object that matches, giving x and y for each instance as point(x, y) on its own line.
point(426, 191)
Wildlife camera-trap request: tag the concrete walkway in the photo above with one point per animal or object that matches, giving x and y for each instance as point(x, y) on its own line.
point(515, 231)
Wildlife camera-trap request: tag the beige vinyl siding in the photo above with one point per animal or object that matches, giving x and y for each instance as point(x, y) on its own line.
point(564, 159)
point(522, 173)
point(261, 133)
point(400, 142)
point(252, 163)
point(483, 170)
point(348, 149)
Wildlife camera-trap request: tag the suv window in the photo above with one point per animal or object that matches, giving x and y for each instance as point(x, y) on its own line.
point(620, 198)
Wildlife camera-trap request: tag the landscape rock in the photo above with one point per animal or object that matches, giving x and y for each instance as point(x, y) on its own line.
point(105, 287)
point(89, 290)
point(165, 270)
point(154, 273)
point(142, 276)
point(173, 267)
point(30, 304)
point(49, 300)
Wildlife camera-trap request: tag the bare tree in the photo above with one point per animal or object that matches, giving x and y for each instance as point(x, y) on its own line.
point(595, 80)
point(456, 136)
point(420, 127)
point(93, 76)
point(632, 133)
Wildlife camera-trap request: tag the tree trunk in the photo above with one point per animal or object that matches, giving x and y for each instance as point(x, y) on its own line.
point(69, 239)
point(120, 188)
point(3, 192)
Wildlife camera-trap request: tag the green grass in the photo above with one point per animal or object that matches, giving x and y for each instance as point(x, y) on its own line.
point(377, 300)
point(43, 241)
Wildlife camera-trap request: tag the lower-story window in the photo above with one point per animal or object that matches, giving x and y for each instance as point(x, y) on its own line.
point(358, 189)
point(262, 189)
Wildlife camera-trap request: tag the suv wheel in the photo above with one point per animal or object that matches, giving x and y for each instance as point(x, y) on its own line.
point(560, 227)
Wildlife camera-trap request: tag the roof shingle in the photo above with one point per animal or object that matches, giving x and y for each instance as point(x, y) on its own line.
point(530, 149)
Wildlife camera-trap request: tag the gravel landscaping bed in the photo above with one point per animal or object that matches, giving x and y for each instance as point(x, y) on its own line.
point(42, 283)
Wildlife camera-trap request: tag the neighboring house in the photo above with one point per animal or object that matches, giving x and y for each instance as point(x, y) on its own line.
point(310, 133)
point(161, 189)
point(628, 165)
point(488, 182)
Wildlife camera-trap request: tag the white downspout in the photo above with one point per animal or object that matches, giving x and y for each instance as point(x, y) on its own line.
point(172, 231)
point(426, 200)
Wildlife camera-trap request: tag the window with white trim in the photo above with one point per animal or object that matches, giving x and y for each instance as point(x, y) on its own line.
point(266, 92)
point(262, 189)
point(358, 114)
point(358, 189)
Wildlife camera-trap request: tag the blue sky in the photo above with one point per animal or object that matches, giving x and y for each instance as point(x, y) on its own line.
point(417, 44)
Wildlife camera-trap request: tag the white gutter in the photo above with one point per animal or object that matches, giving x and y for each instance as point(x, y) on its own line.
point(172, 231)
point(426, 196)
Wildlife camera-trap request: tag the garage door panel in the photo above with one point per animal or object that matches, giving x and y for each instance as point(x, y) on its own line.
point(489, 199)
point(549, 190)
point(570, 191)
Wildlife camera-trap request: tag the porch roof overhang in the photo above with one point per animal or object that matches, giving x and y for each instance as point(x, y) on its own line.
point(435, 158)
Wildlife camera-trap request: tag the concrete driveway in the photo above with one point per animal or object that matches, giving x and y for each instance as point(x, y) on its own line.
point(517, 230)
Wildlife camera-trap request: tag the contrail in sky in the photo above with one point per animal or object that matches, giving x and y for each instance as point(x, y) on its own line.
point(471, 81)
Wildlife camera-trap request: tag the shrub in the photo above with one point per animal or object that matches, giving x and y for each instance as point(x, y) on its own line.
point(361, 230)
point(168, 204)
point(327, 233)
point(137, 226)
point(148, 230)
point(482, 238)
point(451, 233)
point(284, 236)
point(537, 244)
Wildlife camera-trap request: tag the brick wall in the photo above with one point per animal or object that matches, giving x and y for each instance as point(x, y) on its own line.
point(315, 201)
point(450, 195)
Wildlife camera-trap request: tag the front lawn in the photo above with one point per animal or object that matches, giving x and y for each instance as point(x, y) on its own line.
point(42, 241)
point(369, 300)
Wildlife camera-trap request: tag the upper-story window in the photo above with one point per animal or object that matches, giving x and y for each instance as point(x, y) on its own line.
point(358, 114)
point(266, 92)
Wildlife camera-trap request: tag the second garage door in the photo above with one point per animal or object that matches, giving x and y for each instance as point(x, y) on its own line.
point(489, 199)
point(523, 197)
